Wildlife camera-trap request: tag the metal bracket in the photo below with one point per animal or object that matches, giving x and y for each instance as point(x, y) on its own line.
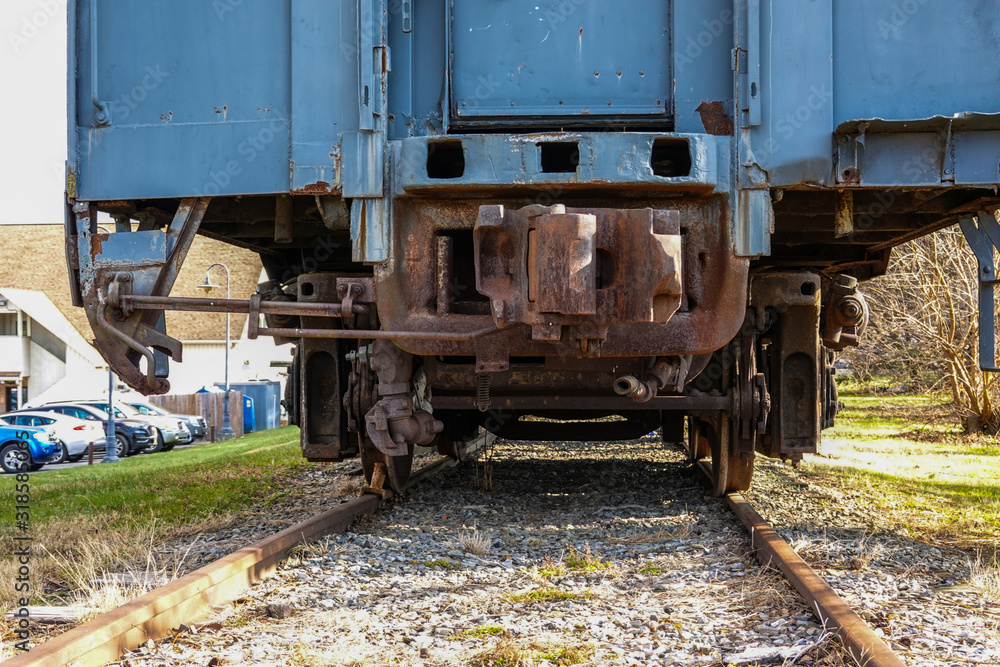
point(114, 268)
point(983, 238)
point(377, 427)
point(408, 15)
point(378, 479)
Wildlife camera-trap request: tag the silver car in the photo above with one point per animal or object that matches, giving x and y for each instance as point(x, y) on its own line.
point(170, 431)
point(196, 424)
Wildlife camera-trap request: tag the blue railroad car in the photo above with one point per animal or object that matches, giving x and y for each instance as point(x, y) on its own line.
point(528, 216)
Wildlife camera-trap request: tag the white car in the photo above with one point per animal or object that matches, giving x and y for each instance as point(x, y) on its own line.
point(73, 435)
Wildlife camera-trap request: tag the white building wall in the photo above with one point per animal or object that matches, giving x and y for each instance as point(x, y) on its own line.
point(203, 365)
point(78, 363)
point(44, 369)
point(13, 354)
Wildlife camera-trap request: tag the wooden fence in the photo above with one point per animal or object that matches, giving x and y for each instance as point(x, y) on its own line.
point(209, 406)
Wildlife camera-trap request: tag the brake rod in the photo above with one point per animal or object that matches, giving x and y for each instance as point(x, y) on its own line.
point(138, 302)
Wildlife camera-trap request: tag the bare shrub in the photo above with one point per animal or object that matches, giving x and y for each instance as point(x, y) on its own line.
point(924, 325)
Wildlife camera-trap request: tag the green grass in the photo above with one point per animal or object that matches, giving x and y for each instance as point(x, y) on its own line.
point(649, 569)
point(507, 653)
point(547, 595)
point(911, 460)
point(176, 487)
point(550, 572)
point(109, 518)
point(441, 564)
point(585, 563)
point(484, 631)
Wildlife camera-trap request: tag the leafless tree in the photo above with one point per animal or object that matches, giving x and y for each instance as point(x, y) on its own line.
point(924, 327)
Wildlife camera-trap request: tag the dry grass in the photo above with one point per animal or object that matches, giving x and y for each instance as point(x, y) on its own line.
point(484, 466)
point(72, 553)
point(303, 551)
point(985, 577)
point(209, 524)
point(682, 531)
point(105, 570)
point(475, 542)
point(764, 589)
point(352, 486)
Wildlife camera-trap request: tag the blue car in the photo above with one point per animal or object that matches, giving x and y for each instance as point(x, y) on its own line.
point(25, 449)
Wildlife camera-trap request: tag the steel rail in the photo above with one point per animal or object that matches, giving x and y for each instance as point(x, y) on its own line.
point(861, 642)
point(159, 612)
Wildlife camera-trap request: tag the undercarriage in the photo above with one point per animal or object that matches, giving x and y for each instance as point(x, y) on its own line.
point(560, 322)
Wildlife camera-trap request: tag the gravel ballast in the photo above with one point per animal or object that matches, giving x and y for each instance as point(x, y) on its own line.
point(588, 553)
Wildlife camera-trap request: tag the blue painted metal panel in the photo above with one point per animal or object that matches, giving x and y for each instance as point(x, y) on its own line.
point(143, 162)
point(792, 140)
point(419, 61)
point(319, 84)
point(187, 82)
point(703, 60)
point(263, 96)
point(908, 60)
point(558, 58)
point(977, 157)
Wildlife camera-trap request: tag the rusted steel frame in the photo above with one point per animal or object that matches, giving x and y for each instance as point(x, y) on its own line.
point(102, 319)
point(180, 235)
point(192, 597)
point(98, 272)
point(367, 334)
point(611, 402)
point(716, 282)
point(140, 302)
point(830, 609)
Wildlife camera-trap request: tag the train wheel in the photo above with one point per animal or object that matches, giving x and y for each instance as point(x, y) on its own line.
point(728, 471)
point(397, 468)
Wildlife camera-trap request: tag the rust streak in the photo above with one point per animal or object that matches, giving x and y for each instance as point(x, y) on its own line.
point(715, 119)
point(317, 188)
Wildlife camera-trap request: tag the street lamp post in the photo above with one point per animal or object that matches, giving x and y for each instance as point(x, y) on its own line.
point(226, 432)
point(111, 441)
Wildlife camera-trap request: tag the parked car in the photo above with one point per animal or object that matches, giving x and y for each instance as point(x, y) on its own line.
point(170, 431)
point(196, 424)
point(24, 448)
point(131, 436)
point(74, 436)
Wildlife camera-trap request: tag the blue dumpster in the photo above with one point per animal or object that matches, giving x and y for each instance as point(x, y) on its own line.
point(248, 415)
point(266, 396)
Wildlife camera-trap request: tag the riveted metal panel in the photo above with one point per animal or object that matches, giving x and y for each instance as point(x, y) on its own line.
point(196, 97)
point(543, 58)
